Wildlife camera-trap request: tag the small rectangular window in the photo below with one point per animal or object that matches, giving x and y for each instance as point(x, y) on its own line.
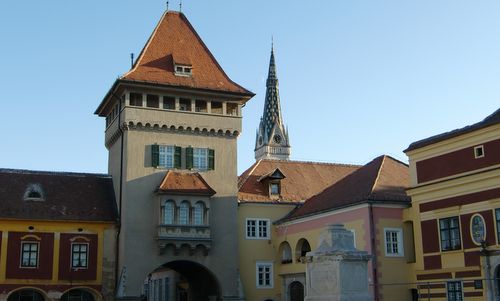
point(200, 158)
point(216, 107)
point(135, 99)
point(449, 229)
point(393, 242)
point(152, 101)
point(478, 151)
point(29, 254)
point(79, 255)
point(166, 156)
point(274, 189)
point(185, 104)
point(257, 228)
point(264, 274)
point(454, 291)
point(168, 103)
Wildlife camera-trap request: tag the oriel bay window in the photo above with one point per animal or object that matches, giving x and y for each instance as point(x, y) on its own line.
point(168, 212)
point(449, 229)
point(199, 212)
point(184, 213)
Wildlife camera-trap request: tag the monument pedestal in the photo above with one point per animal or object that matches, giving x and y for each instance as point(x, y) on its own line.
point(336, 271)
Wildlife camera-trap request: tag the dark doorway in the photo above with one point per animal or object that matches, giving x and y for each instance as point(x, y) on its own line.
point(296, 291)
point(77, 295)
point(26, 295)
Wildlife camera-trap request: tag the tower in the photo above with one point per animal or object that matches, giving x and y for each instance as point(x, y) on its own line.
point(172, 123)
point(272, 137)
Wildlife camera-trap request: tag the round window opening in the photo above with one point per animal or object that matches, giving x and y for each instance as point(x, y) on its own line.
point(477, 229)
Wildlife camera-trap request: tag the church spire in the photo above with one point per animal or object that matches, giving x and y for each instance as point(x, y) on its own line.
point(272, 135)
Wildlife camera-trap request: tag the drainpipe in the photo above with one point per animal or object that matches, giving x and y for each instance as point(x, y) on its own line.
point(374, 253)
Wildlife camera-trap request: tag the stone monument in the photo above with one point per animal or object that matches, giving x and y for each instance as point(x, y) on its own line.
point(336, 270)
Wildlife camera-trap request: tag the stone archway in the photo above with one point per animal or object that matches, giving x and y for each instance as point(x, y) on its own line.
point(182, 280)
point(78, 295)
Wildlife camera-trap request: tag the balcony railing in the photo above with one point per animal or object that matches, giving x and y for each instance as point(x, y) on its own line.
point(181, 236)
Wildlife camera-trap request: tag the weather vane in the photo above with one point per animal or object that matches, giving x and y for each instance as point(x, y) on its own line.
point(167, 5)
point(180, 6)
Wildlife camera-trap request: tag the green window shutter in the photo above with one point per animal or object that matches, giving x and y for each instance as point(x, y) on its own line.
point(211, 159)
point(177, 157)
point(189, 158)
point(155, 155)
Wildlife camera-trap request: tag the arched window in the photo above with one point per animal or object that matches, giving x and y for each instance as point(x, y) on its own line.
point(184, 213)
point(77, 295)
point(286, 253)
point(302, 248)
point(26, 295)
point(199, 212)
point(168, 212)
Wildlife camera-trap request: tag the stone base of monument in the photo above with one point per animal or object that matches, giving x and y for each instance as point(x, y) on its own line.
point(336, 271)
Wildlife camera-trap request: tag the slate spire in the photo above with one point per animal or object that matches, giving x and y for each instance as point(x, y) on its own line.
point(272, 133)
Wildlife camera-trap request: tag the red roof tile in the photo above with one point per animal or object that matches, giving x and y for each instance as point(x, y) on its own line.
point(184, 183)
point(175, 40)
point(302, 179)
point(384, 179)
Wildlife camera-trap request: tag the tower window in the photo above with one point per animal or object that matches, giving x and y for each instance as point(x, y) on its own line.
point(232, 109)
point(152, 101)
point(135, 99)
point(185, 104)
point(201, 106)
point(169, 103)
point(216, 107)
point(478, 151)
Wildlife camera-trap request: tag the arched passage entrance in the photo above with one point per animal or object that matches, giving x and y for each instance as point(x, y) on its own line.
point(26, 295)
point(182, 280)
point(77, 295)
point(296, 290)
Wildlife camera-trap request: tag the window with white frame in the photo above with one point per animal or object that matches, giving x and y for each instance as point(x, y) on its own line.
point(454, 291)
point(79, 255)
point(29, 254)
point(393, 241)
point(257, 228)
point(264, 274)
point(184, 213)
point(200, 158)
point(168, 212)
point(166, 157)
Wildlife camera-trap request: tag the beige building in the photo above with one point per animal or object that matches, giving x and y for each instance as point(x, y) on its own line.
point(172, 123)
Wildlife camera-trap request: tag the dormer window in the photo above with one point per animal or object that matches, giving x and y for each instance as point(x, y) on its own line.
point(183, 70)
point(274, 188)
point(34, 192)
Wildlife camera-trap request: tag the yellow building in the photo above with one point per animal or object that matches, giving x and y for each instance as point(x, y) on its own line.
point(455, 192)
point(57, 236)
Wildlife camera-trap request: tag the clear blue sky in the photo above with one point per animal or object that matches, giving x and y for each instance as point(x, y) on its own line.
point(357, 78)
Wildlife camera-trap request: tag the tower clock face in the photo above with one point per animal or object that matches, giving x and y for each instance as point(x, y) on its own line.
point(277, 139)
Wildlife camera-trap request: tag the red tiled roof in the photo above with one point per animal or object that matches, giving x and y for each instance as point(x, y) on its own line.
point(175, 40)
point(184, 183)
point(65, 196)
point(384, 179)
point(302, 179)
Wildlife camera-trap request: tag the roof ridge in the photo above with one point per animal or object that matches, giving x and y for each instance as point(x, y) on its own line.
point(243, 181)
point(48, 172)
point(314, 162)
point(378, 174)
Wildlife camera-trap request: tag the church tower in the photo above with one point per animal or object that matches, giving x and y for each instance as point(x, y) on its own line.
point(172, 124)
point(272, 137)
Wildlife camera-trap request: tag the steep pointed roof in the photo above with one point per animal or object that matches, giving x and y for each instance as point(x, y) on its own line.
point(302, 179)
point(272, 107)
point(184, 183)
point(174, 41)
point(384, 179)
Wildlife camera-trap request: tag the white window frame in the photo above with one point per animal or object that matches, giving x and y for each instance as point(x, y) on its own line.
point(37, 261)
point(264, 265)
point(257, 230)
point(166, 156)
point(400, 242)
point(86, 256)
point(185, 70)
point(200, 158)
point(475, 151)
